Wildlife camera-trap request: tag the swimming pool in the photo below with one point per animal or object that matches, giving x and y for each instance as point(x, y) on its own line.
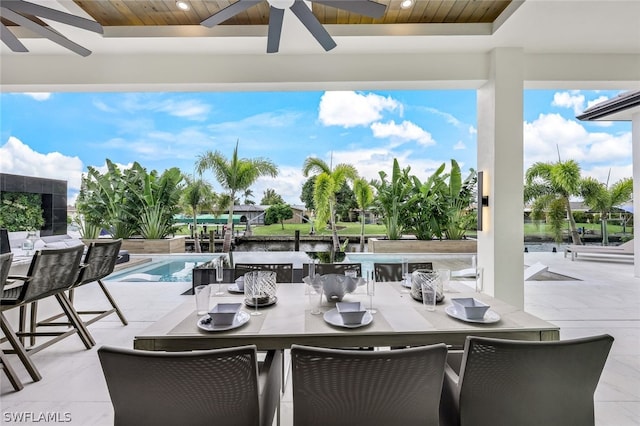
point(168, 268)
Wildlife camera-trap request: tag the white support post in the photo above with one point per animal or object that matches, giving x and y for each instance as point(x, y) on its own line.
point(635, 143)
point(500, 157)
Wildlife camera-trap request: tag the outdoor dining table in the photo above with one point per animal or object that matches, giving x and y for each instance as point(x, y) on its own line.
point(400, 320)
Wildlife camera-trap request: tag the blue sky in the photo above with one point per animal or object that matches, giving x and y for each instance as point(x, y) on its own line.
point(57, 135)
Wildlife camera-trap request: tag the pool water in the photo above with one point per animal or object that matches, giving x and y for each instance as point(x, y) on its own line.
point(163, 269)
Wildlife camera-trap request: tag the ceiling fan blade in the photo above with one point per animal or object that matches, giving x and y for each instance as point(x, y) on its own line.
point(43, 31)
point(314, 26)
point(276, 16)
point(11, 40)
point(228, 12)
point(361, 7)
point(55, 15)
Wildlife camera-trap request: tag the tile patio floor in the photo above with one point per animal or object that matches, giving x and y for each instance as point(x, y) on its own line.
point(605, 299)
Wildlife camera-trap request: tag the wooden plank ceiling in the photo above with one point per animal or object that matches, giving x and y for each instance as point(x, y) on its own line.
point(165, 12)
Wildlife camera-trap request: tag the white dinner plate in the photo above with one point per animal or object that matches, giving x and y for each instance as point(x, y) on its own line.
point(333, 317)
point(241, 318)
point(233, 288)
point(489, 317)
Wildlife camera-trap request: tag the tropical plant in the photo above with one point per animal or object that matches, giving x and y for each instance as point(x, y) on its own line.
point(550, 186)
point(306, 196)
point(604, 198)
point(129, 201)
point(105, 200)
point(21, 211)
point(270, 197)
point(391, 196)
point(459, 197)
point(278, 213)
point(160, 199)
point(327, 183)
point(197, 195)
point(234, 175)
point(364, 199)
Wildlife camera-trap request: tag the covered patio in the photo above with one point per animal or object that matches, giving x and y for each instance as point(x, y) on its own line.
point(531, 44)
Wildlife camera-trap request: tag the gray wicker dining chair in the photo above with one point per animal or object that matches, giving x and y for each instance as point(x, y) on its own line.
point(222, 387)
point(393, 271)
point(5, 265)
point(284, 271)
point(375, 388)
point(500, 382)
point(98, 263)
point(333, 268)
point(50, 273)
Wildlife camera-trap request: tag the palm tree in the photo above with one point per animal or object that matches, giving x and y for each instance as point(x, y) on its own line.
point(602, 198)
point(364, 198)
point(328, 182)
point(197, 195)
point(234, 175)
point(248, 193)
point(549, 186)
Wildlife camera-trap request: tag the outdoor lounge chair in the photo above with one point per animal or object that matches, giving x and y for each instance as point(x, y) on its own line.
point(625, 250)
point(393, 271)
point(214, 387)
point(345, 387)
point(498, 382)
point(5, 265)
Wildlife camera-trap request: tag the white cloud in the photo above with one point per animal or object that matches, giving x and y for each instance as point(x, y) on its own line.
point(288, 184)
point(351, 109)
point(569, 100)
point(550, 133)
point(403, 132)
point(278, 119)
point(189, 109)
point(448, 117)
point(473, 130)
point(596, 101)
point(19, 159)
point(38, 96)
point(602, 172)
point(459, 145)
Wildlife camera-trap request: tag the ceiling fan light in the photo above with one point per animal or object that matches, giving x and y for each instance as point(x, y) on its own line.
point(183, 5)
point(406, 4)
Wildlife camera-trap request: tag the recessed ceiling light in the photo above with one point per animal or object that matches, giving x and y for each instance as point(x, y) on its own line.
point(406, 4)
point(183, 5)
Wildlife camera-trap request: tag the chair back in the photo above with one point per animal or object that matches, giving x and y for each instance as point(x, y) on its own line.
point(51, 271)
point(333, 268)
point(284, 271)
point(5, 265)
point(99, 261)
point(507, 382)
point(182, 388)
point(351, 387)
point(393, 271)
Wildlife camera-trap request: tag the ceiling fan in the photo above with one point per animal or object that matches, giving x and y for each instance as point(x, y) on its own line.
point(302, 12)
point(21, 13)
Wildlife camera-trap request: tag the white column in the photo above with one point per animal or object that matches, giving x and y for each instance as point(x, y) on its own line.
point(635, 143)
point(500, 157)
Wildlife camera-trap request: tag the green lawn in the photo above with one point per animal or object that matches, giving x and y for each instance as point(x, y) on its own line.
point(352, 228)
